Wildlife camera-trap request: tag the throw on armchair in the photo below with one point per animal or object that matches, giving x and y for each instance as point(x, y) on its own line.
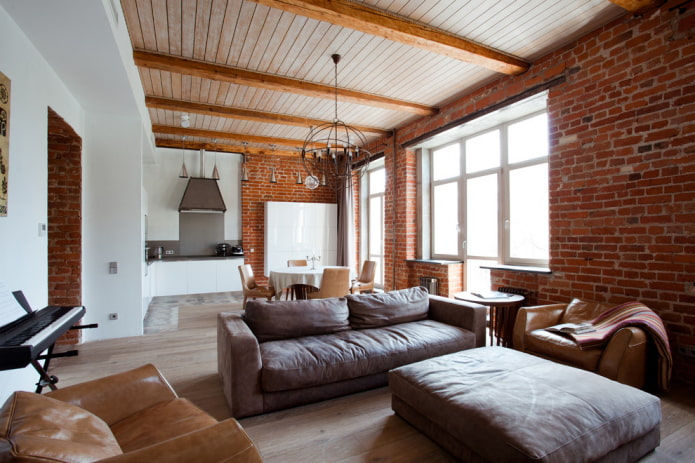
point(623, 358)
point(133, 416)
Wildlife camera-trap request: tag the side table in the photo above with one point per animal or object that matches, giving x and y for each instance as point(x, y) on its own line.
point(503, 309)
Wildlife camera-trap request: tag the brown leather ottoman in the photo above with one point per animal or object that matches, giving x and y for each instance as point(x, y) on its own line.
point(498, 404)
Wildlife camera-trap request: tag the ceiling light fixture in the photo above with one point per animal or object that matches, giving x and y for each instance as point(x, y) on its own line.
point(244, 171)
point(334, 151)
point(183, 173)
point(273, 179)
point(185, 120)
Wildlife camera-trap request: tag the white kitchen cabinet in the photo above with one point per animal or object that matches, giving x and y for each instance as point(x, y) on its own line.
point(172, 278)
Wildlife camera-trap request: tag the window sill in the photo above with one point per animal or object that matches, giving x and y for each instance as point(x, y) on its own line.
point(435, 261)
point(518, 268)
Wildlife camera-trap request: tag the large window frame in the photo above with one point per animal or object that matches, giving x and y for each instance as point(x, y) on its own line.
point(369, 248)
point(457, 175)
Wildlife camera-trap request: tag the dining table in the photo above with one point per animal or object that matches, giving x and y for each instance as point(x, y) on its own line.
point(282, 278)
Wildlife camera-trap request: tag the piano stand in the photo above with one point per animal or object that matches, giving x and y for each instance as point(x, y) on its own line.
point(50, 380)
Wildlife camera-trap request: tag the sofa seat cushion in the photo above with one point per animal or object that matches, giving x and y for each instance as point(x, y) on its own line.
point(317, 360)
point(36, 428)
point(563, 349)
point(160, 422)
point(273, 320)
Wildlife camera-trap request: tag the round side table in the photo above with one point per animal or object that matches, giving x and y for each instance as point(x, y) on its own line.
point(503, 311)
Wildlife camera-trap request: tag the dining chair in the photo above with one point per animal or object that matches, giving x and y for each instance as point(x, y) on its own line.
point(365, 282)
point(249, 286)
point(335, 282)
point(297, 263)
point(299, 290)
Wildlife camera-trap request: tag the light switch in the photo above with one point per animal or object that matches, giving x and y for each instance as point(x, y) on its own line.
point(113, 268)
point(42, 229)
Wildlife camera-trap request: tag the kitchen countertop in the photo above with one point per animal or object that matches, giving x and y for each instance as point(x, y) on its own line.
point(151, 260)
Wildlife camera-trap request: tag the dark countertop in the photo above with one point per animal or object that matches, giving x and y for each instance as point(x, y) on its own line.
point(151, 260)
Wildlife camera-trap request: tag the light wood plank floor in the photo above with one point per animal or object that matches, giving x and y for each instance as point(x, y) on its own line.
point(356, 428)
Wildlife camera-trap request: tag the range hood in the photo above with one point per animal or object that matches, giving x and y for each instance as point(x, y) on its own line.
point(202, 195)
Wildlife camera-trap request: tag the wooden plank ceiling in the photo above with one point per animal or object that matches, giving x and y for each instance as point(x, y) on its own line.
point(260, 72)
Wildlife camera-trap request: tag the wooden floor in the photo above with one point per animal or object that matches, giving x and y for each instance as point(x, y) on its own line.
point(356, 428)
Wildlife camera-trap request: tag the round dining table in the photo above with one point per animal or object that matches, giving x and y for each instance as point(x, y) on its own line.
point(285, 277)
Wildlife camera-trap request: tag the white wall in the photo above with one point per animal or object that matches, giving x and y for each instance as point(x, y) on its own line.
point(114, 144)
point(34, 88)
point(165, 188)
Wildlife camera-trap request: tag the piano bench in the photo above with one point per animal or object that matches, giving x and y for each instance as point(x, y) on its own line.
point(131, 416)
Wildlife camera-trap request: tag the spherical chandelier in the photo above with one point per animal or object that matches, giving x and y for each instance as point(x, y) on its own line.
point(334, 152)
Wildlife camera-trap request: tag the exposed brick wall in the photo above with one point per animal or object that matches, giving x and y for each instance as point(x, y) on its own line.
point(64, 217)
point(622, 170)
point(258, 190)
point(450, 276)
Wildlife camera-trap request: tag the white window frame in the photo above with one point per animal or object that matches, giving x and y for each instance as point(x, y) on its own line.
point(365, 197)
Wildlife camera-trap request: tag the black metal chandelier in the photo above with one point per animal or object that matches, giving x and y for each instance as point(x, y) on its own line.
point(334, 152)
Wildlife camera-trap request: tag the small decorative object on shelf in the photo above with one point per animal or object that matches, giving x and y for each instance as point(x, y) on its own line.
point(313, 259)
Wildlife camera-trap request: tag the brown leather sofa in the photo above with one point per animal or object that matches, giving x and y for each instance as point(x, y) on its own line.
point(281, 354)
point(623, 358)
point(133, 416)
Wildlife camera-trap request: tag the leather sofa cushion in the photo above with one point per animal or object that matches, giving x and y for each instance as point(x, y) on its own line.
point(319, 360)
point(579, 311)
point(273, 320)
point(160, 422)
point(383, 309)
point(563, 349)
point(36, 428)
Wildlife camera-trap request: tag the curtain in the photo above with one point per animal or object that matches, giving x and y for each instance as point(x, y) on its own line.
point(346, 224)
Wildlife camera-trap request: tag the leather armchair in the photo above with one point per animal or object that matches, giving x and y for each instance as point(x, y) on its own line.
point(623, 358)
point(133, 416)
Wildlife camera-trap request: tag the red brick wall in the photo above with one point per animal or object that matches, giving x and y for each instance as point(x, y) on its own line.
point(258, 190)
point(64, 217)
point(622, 170)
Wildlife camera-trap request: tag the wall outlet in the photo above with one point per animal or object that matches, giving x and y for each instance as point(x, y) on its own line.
point(113, 316)
point(688, 351)
point(169, 252)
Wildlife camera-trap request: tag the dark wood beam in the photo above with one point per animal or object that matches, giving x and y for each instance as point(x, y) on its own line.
point(221, 147)
point(213, 134)
point(244, 114)
point(360, 17)
point(635, 6)
point(239, 76)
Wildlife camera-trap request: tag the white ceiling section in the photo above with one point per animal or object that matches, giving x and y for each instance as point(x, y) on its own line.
point(281, 39)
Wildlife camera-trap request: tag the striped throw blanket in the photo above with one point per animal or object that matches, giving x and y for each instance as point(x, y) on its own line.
point(631, 314)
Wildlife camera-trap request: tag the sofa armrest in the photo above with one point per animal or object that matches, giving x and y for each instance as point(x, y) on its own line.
point(239, 365)
point(625, 357)
point(223, 442)
point(115, 397)
point(535, 318)
point(463, 314)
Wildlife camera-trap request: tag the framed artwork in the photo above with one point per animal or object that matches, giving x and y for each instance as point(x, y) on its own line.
point(4, 140)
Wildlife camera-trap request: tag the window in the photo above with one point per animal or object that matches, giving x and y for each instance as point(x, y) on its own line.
point(373, 219)
point(489, 195)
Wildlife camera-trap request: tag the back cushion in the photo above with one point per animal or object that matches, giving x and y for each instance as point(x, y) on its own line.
point(272, 320)
point(382, 309)
point(39, 428)
point(582, 311)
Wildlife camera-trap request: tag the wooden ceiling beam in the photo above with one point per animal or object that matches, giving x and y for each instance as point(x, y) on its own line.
point(221, 147)
point(244, 114)
point(212, 134)
point(360, 17)
point(635, 6)
point(240, 76)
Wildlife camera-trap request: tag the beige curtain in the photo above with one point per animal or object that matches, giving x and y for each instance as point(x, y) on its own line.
point(346, 225)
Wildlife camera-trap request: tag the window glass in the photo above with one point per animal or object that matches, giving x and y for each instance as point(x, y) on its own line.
point(482, 216)
point(483, 152)
point(446, 162)
point(528, 139)
point(445, 226)
point(528, 212)
point(377, 181)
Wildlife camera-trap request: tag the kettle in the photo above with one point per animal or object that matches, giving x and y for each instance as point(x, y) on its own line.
point(222, 249)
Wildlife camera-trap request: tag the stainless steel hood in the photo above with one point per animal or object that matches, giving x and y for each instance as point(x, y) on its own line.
point(202, 195)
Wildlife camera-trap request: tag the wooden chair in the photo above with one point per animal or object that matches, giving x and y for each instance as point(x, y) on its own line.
point(365, 282)
point(249, 286)
point(335, 282)
point(298, 291)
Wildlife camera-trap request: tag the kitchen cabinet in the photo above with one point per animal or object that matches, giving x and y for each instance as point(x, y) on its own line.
point(196, 276)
